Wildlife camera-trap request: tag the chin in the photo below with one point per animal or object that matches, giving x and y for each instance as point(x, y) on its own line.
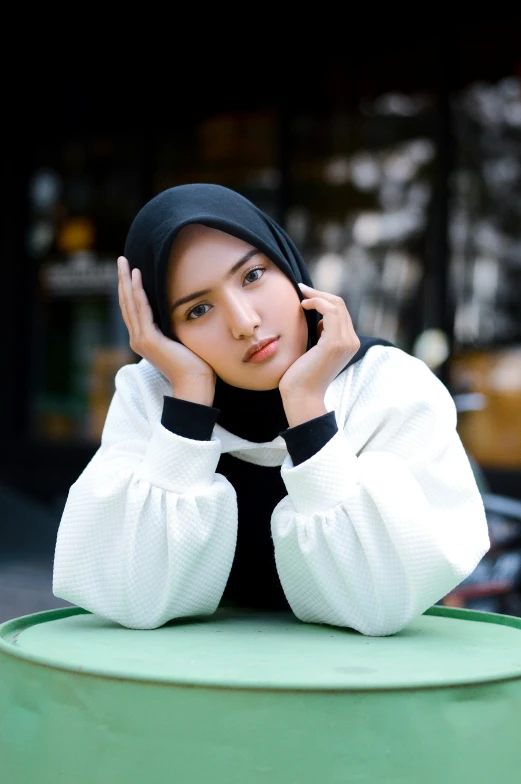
point(269, 382)
point(266, 387)
point(259, 385)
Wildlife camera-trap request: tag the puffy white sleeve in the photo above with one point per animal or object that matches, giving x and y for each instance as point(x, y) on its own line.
point(386, 518)
point(148, 531)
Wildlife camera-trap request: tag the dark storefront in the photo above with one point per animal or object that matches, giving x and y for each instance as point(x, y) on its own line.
point(396, 168)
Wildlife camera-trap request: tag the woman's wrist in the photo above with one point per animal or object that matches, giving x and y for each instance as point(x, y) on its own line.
point(302, 408)
point(195, 394)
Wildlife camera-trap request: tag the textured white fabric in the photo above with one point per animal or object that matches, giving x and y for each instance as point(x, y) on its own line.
point(375, 528)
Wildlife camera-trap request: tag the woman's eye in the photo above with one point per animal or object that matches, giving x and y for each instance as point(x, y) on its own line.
point(255, 269)
point(197, 315)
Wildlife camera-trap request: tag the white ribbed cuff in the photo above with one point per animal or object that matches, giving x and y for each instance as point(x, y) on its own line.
point(322, 482)
point(179, 464)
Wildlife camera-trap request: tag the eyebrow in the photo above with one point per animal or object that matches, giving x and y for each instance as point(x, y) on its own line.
point(231, 271)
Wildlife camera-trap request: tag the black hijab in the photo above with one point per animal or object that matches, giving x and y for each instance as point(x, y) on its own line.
point(256, 416)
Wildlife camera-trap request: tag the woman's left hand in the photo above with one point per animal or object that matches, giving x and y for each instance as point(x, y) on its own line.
point(312, 373)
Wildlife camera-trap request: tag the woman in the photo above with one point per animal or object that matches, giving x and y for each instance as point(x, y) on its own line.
point(323, 473)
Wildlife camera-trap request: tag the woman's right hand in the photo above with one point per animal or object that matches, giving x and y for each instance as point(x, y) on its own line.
point(190, 376)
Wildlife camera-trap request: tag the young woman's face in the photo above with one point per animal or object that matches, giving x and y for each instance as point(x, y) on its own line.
point(244, 306)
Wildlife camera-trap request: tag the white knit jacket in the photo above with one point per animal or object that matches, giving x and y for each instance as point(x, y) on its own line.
point(376, 527)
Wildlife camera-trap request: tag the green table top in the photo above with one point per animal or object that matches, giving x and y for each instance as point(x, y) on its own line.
point(251, 649)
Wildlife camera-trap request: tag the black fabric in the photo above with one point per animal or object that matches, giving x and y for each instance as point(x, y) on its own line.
point(305, 440)
point(188, 419)
point(196, 421)
point(253, 579)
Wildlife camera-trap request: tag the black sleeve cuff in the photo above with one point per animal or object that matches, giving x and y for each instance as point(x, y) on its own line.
point(187, 419)
point(305, 440)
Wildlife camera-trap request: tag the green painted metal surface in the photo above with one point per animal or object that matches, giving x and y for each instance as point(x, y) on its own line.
point(245, 697)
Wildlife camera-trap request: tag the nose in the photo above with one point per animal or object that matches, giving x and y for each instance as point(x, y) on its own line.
point(243, 318)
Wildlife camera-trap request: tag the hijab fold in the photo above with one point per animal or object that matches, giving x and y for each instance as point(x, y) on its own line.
point(254, 415)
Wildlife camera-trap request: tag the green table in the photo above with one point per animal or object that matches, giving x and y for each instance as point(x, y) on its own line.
point(242, 697)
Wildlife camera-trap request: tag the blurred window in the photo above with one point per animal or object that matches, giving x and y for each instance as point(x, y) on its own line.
point(361, 184)
point(486, 215)
point(82, 196)
point(485, 269)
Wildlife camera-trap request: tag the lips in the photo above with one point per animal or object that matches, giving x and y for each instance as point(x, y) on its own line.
point(257, 347)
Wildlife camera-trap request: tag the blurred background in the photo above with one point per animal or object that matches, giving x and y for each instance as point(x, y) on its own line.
point(391, 155)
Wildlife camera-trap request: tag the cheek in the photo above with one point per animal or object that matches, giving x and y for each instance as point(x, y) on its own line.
point(202, 341)
point(285, 300)
point(301, 326)
point(286, 304)
point(183, 335)
point(297, 312)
